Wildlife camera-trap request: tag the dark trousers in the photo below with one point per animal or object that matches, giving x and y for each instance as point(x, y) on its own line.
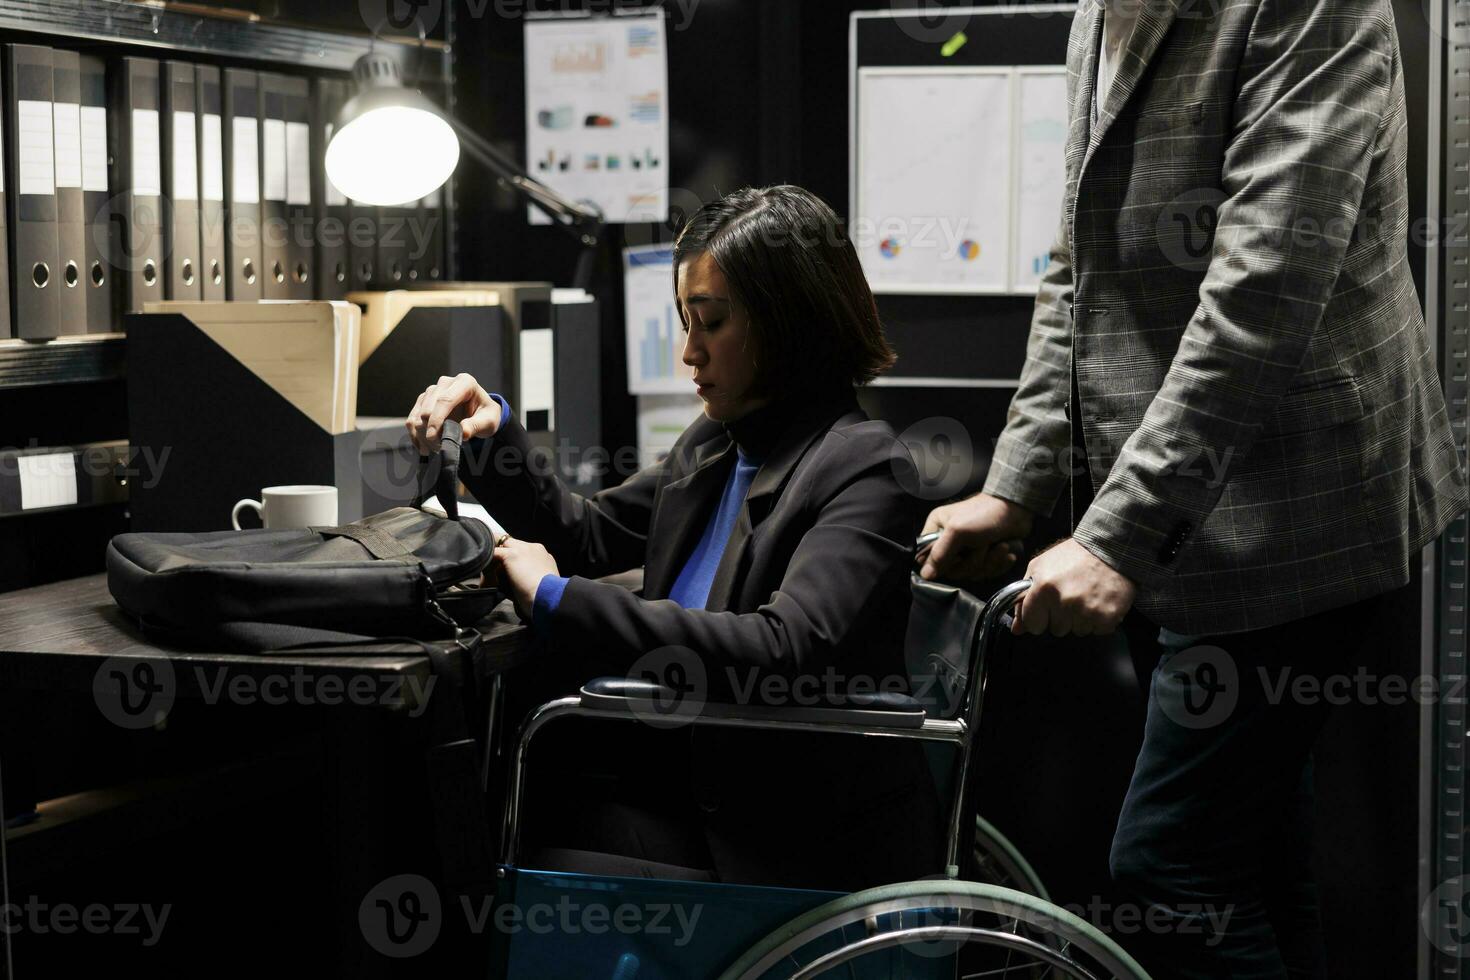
point(1214, 842)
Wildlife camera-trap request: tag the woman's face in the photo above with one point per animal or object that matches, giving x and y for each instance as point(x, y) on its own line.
point(717, 341)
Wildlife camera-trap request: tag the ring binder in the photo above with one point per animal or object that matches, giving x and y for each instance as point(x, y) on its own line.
point(71, 221)
point(139, 249)
point(242, 181)
point(96, 201)
point(28, 118)
point(184, 278)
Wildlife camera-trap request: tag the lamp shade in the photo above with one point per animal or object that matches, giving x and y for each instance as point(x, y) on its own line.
point(390, 145)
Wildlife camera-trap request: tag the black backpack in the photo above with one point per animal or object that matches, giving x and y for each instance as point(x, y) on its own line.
point(386, 577)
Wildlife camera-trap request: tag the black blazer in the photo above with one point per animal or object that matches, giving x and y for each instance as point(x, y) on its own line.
point(812, 590)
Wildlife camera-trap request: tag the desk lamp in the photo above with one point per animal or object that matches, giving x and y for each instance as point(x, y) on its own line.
point(392, 145)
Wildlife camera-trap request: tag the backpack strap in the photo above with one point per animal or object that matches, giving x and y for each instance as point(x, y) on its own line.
point(378, 542)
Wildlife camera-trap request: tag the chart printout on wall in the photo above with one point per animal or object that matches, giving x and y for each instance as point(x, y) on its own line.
point(959, 176)
point(597, 122)
point(655, 336)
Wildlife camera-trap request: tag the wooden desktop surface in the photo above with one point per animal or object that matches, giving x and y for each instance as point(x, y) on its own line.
point(57, 636)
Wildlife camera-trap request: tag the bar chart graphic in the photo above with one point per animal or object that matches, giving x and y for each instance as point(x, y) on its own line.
point(654, 334)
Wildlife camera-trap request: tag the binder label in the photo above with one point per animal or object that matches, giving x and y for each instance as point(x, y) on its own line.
point(298, 163)
point(335, 198)
point(147, 166)
point(37, 173)
point(244, 161)
point(68, 122)
point(212, 156)
point(94, 148)
point(274, 158)
point(185, 163)
point(50, 479)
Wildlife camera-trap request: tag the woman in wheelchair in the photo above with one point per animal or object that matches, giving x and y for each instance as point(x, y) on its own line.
point(776, 542)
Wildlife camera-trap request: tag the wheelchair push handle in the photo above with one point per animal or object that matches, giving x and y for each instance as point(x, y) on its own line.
point(926, 541)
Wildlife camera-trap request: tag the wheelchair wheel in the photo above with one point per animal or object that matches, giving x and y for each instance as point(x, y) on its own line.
point(917, 929)
point(999, 862)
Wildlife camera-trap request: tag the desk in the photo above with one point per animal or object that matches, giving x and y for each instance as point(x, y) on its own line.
point(368, 774)
point(56, 637)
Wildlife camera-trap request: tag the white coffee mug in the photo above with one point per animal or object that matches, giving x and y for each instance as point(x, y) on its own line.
point(294, 506)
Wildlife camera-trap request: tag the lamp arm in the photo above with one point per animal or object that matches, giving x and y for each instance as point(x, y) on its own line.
point(580, 221)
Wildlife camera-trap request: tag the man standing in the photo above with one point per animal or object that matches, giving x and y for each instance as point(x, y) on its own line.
point(1229, 361)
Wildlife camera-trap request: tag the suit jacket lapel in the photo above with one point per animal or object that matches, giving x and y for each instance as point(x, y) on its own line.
point(804, 429)
point(1154, 20)
point(685, 507)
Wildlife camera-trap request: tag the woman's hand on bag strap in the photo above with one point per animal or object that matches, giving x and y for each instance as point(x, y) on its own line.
point(459, 398)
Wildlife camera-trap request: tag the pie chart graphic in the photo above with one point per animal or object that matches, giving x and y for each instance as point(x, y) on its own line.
point(969, 250)
point(890, 247)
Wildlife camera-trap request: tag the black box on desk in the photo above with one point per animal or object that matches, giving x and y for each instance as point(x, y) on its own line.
point(430, 342)
point(211, 432)
point(584, 461)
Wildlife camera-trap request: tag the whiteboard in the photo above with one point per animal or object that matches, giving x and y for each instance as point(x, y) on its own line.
point(1040, 138)
point(933, 179)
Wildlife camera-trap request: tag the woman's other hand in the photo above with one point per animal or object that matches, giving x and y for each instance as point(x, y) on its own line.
point(459, 398)
point(519, 568)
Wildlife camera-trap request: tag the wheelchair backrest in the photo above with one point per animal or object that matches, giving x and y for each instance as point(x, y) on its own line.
point(941, 645)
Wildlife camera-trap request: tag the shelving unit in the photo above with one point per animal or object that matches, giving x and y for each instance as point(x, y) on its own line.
point(30, 370)
point(194, 30)
point(1443, 736)
point(183, 28)
point(65, 360)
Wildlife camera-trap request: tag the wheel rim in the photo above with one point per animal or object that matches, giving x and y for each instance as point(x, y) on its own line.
point(1012, 924)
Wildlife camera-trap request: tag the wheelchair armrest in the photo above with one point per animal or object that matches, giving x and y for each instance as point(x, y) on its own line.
point(882, 709)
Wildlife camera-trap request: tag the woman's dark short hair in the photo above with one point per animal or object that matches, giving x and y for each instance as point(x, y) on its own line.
point(791, 266)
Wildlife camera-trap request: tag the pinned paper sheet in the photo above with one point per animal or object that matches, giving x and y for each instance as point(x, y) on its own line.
point(655, 334)
point(1041, 175)
point(597, 117)
point(48, 480)
point(934, 179)
point(661, 420)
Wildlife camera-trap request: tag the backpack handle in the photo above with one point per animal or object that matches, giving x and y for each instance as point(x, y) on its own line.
point(442, 480)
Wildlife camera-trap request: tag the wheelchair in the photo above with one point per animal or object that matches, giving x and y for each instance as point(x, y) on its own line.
point(916, 930)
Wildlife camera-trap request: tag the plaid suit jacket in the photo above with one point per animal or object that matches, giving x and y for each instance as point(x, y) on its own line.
point(1266, 432)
